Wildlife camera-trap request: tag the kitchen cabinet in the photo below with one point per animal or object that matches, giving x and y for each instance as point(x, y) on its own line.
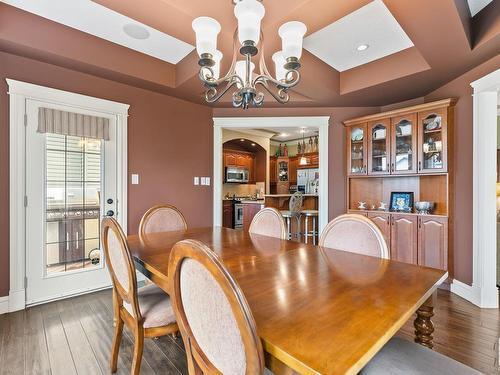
point(283, 180)
point(383, 222)
point(404, 144)
point(294, 162)
point(356, 149)
point(273, 170)
point(433, 242)
point(379, 135)
point(404, 238)
point(433, 141)
point(240, 159)
point(227, 214)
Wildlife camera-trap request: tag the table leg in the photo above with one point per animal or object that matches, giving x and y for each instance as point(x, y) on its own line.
point(424, 328)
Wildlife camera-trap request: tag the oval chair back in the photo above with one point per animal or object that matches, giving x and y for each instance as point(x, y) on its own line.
point(354, 233)
point(213, 315)
point(268, 222)
point(295, 204)
point(162, 218)
point(120, 264)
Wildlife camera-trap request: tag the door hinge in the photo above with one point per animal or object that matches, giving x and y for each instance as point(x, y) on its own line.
point(25, 282)
point(25, 201)
point(25, 119)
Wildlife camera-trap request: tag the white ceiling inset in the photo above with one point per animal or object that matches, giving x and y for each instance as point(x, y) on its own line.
point(291, 133)
point(372, 24)
point(476, 6)
point(97, 20)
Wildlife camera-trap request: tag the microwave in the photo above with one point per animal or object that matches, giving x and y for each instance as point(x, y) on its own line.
point(236, 175)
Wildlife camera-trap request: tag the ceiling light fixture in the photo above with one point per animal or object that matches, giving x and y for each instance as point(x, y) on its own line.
point(362, 47)
point(248, 39)
point(253, 144)
point(136, 31)
point(242, 140)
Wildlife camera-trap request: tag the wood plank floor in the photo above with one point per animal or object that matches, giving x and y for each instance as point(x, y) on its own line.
point(73, 336)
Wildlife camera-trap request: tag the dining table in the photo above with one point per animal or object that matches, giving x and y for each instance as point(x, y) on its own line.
point(317, 310)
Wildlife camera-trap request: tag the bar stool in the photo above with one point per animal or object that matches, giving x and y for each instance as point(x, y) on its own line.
point(295, 207)
point(314, 231)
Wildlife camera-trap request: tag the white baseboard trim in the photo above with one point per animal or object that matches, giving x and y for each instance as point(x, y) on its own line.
point(4, 305)
point(17, 300)
point(485, 299)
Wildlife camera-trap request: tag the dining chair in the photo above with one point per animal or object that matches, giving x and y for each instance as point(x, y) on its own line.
point(214, 318)
point(268, 222)
point(162, 218)
point(293, 212)
point(146, 311)
point(354, 233)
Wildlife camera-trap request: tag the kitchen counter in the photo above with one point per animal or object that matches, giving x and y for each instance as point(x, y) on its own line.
point(259, 201)
point(288, 195)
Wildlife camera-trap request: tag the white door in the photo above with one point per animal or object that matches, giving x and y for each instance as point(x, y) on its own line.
point(70, 186)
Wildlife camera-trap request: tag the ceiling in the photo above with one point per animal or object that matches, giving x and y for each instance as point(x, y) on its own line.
point(372, 27)
point(290, 134)
point(414, 46)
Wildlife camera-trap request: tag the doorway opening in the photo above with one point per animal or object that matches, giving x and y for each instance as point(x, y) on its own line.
point(293, 147)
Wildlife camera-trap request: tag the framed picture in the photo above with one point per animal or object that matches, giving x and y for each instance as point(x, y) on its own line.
point(401, 201)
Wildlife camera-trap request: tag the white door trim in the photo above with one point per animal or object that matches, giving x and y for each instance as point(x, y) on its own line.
point(321, 122)
point(483, 291)
point(19, 92)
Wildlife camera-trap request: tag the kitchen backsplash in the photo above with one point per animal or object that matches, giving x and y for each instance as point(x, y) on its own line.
point(240, 189)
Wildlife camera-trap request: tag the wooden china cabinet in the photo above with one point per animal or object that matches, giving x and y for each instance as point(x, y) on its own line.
point(406, 150)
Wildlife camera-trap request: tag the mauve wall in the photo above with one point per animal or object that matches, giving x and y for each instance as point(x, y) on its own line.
point(169, 142)
point(460, 88)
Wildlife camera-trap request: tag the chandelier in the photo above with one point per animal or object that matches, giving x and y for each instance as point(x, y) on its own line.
point(248, 41)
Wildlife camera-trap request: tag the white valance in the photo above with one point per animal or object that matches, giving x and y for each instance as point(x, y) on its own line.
point(70, 123)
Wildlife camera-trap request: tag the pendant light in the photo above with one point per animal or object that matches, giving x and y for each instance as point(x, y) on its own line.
point(303, 160)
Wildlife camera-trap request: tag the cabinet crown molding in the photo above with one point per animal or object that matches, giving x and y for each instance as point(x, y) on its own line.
point(397, 112)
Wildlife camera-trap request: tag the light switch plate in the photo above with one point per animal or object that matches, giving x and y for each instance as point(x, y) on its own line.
point(207, 181)
point(135, 179)
point(203, 180)
point(196, 181)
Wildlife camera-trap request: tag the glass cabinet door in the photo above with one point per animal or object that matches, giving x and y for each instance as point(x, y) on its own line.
point(432, 141)
point(282, 170)
point(356, 139)
point(404, 142)
point(378, 141)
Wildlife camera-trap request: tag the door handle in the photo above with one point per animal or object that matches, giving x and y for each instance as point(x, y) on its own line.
point(110, 213)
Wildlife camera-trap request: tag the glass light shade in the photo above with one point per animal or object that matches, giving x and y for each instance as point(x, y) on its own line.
point(240, 69)
point(206, 30)
point(292, 34)
point(279, 62)
point(249, 14)
point(216, 67)
point(303, 161)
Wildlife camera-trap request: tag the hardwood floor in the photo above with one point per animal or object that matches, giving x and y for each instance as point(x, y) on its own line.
point(73, 336)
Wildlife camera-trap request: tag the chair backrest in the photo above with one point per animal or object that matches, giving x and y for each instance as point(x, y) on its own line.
point(268, 222)
point(213, 315)
point(162, 218)
point(295, 203)
point(354, 233)
point(120, 264)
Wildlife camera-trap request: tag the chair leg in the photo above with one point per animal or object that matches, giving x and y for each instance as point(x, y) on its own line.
point(138, 348)
point(306, 229)
point(115, 348)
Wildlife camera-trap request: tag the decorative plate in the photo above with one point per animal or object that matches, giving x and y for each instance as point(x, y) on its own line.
point(357, 135)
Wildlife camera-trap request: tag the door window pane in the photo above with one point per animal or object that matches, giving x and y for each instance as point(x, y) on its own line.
point(73, 187)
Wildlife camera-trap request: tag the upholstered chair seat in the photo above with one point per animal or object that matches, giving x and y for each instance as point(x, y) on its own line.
point(154, 305)
point(401, 357)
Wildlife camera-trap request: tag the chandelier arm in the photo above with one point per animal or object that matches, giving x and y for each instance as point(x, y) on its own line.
point(287, 85)
point(282, 96)
point(216, 96)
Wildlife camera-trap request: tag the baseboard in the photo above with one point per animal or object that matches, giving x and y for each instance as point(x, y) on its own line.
point(4, 305)
point(485, 299)
point(17, 300)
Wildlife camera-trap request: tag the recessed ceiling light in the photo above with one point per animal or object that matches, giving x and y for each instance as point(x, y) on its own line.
point(242, 140)
point(136, 31)
point(284, 134)
point(362, 47)
point(302, 130)
point(253, 144)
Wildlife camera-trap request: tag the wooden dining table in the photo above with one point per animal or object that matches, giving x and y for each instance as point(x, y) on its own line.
point(317, 310)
